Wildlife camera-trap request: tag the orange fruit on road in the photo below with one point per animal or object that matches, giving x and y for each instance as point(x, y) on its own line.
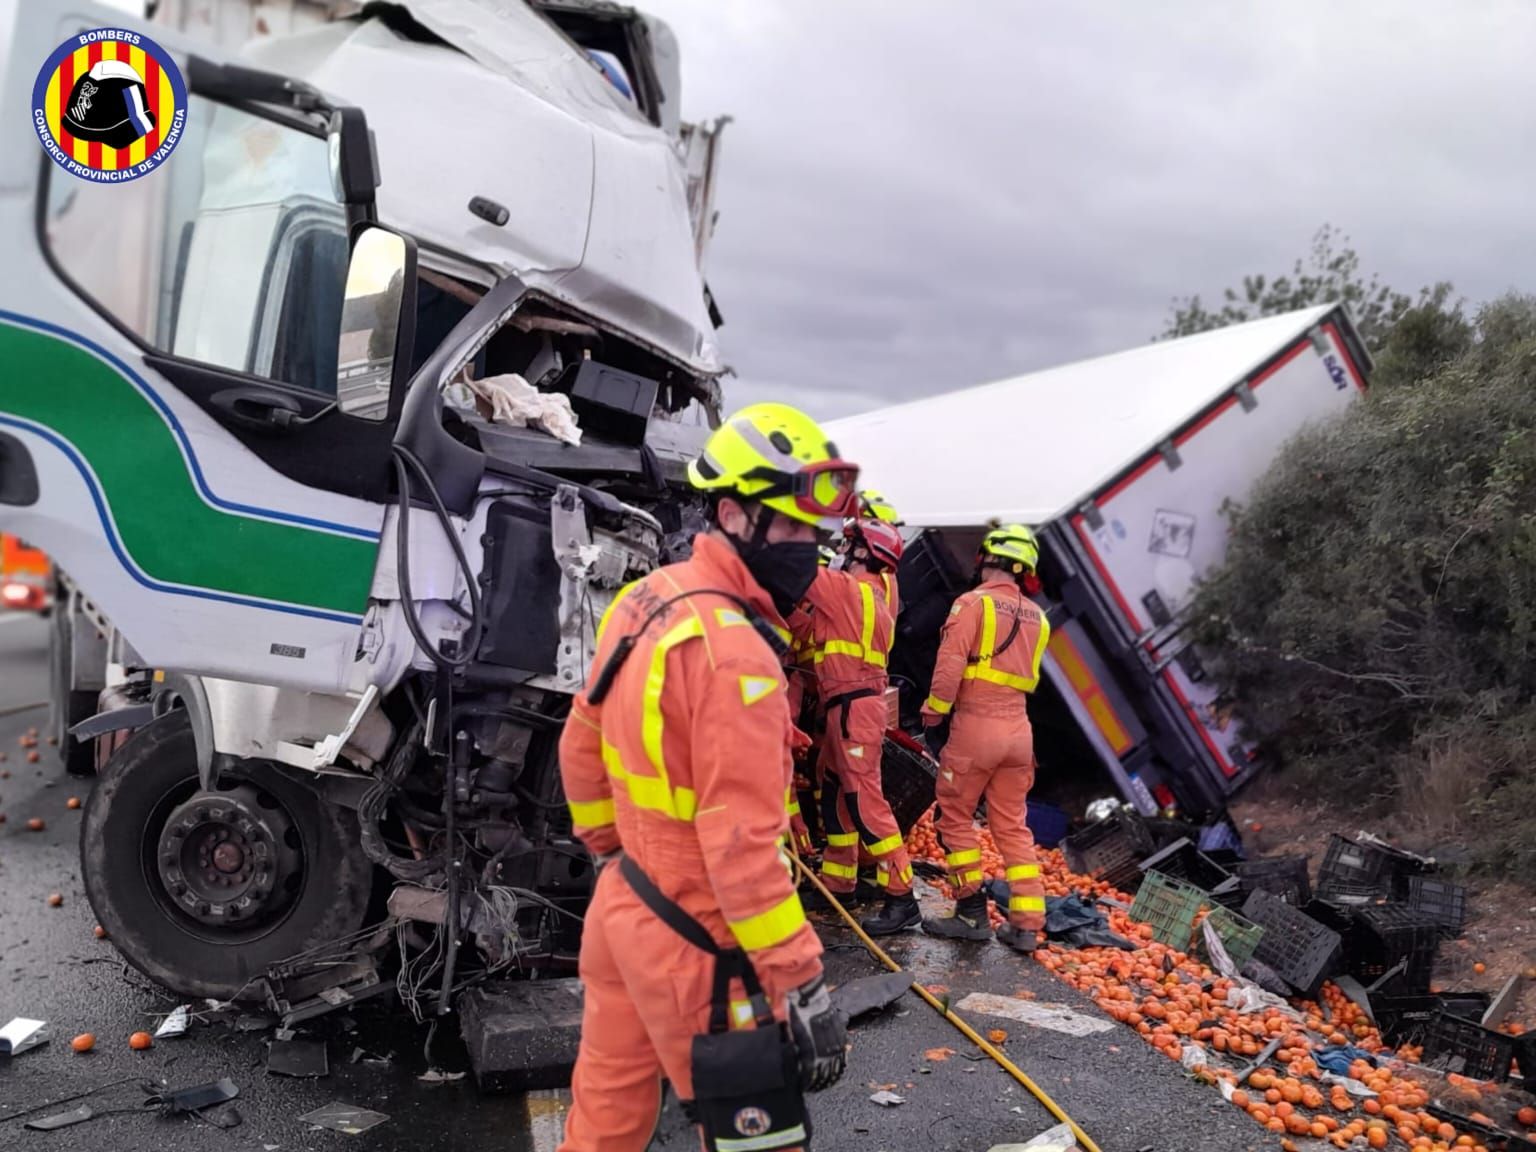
point(1377, 1138)
point(72, 803)
point(83, 1042)
point(35, 825)
point(1479, 967)
point(99, 932)
point(139, 1041)
point(1527, 1116)
point(55, 900)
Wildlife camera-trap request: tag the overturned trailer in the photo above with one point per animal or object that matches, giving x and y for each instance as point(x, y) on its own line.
point(1124, 465)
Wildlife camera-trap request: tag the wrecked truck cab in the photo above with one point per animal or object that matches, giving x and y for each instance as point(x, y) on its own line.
point(343, 606)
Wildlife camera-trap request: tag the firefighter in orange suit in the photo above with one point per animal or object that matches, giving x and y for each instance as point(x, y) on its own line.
point(852, 630)
point(698, 962)
point(989, 660)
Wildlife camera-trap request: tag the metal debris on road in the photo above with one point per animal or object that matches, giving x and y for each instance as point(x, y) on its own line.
point(871, 993)
point(176, 1024)
point(1055, 1017)
point(887, 1099)
point(195, 1098)
point(339, 1117)
point(302, 1059)
point(22, 1035)
point(61, 1119)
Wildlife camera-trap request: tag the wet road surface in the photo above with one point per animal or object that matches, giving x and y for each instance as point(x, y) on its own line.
point(1125, 1095)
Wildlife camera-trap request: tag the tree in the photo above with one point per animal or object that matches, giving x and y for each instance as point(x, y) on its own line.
point(1375, 618)
point(1329, 274)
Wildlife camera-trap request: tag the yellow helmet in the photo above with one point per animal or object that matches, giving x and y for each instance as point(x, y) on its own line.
point(873, 504)
point(1015, 545)
point(778, 456)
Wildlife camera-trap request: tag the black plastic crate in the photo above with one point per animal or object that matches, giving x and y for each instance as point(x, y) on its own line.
point(1183, 860)
point(1525, 1057)
point(1355, 867)
point(907, 778)
point(1445, 902)
point(1284, 876)
point(1402, 1019)
point(1300, 950)
point(1452, 1044)
point(1390, 933)
point(1110, 850)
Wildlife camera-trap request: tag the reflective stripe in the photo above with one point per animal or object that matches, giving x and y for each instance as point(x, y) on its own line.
point(964, 856)
point(983, 670)
point(591, 813)
point(1023, 872)
point(841, 871)
point(864, 649)
point(975, 877)
point(1026, 903)
point(942, 707)
point(887, 846)
point(651, 722)
point(650, 792)
point(783, 1138)
point(793, 807)
point(767, 929)
point(883, 877)
point(842, 839)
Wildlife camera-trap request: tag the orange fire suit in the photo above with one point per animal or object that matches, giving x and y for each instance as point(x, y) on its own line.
point(800, 671)
point(853, 627)
point(989, 658)
point(684, 766)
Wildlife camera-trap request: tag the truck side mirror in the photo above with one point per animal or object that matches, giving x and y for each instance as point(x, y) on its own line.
point(378, 322)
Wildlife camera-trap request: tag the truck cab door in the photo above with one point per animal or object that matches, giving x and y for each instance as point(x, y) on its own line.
point(210, 461)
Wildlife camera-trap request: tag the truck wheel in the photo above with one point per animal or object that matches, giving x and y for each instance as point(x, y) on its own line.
point(204, 891)
point(67, 707)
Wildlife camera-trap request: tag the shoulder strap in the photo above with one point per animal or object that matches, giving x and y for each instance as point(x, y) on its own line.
point(730, 963)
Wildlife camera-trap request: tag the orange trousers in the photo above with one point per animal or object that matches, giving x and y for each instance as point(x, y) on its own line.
point(853, 806)
point(992, 757)
point(647, 995)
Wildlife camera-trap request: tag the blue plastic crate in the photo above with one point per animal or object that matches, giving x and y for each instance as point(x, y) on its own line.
point(1048, 822)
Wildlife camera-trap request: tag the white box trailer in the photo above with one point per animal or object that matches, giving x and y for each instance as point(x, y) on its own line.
point(1123, 465)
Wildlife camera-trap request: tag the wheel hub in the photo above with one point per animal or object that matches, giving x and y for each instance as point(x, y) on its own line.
point(224, 858)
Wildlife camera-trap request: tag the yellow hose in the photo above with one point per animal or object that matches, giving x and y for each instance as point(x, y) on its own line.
point(965, 1029)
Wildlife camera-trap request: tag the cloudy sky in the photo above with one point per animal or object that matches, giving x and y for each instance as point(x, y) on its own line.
point(921, 196)
point(918, 196)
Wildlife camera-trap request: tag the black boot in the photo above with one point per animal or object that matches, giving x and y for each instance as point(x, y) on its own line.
point(897, 915)
point(968, 923)
point(1019, 939)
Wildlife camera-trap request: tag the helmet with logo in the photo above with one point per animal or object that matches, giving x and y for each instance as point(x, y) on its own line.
point(874, 504)
point(1011, 546)
point(880, 540)
point(775, 455)
point(109, 105)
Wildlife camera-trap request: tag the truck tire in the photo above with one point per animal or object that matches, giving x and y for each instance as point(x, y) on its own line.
point(66, 707)
point(203, 892)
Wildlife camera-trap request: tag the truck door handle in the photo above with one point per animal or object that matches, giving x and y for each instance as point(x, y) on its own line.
point(256, 407)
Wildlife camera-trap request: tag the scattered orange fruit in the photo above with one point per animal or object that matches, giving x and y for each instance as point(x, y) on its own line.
point(55, 900)
point(139, 1041)
point(1527, 1116)
point(35, 825)
point(100, 932)
point(83, 1042)
point(33, 757)
point(1479, 967)
point(997, 1036)
point(72, 803)
point(1255, 827)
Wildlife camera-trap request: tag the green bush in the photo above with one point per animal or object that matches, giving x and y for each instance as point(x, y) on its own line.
point(1378, 601)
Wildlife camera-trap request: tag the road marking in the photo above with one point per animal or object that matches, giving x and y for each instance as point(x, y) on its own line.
point(1056, 1017)
point(546, 1117)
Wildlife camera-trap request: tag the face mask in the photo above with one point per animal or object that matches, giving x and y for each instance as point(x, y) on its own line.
point(785, 571)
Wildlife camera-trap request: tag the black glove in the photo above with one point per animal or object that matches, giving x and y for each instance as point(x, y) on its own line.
point(935, 737)
point(820, 1033)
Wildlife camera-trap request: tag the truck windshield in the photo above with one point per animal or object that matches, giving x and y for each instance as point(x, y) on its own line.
point(234, 255)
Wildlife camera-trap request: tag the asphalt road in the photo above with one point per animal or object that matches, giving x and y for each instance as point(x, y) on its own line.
point(1125, 1095)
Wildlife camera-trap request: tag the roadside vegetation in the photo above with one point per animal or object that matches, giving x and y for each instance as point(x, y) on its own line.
point(1375, 620)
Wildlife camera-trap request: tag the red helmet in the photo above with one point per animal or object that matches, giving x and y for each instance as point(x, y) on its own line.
point(880, 539)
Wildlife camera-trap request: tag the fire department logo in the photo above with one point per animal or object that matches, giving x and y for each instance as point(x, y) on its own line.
point(751, 1122)
point(109, 105)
